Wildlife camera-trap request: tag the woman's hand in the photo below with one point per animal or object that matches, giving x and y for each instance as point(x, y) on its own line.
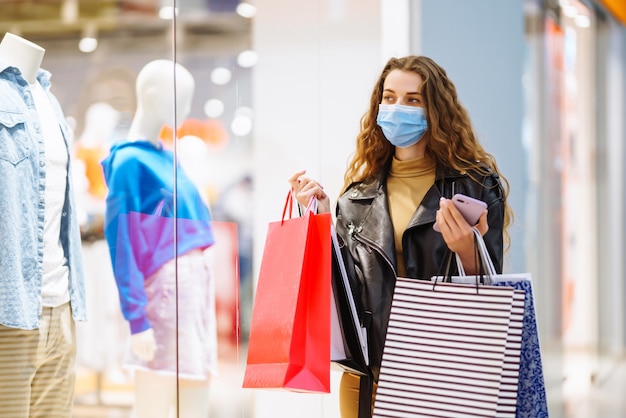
point(305, 188)
point(458, 234)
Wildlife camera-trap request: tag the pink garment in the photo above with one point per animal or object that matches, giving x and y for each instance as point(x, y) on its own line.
point(189, 323)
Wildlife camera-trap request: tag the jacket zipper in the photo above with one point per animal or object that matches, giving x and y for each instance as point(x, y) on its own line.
point(354, 232)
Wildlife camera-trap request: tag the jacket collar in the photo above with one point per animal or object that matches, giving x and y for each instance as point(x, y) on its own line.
point(368, 217)
point(375, 224)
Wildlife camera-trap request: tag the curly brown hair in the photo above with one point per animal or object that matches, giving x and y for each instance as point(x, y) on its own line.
point(450, 139)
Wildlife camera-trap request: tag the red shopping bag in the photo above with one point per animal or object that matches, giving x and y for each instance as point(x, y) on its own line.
point(289, 343)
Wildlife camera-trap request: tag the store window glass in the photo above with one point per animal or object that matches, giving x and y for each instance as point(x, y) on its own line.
point(153, 101)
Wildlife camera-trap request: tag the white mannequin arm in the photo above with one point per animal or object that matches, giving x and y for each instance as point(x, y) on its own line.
point(144, 345)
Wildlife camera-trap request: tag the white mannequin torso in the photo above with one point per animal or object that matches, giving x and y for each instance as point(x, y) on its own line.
point(27, 57)
point(22, 54)
point(155, 99)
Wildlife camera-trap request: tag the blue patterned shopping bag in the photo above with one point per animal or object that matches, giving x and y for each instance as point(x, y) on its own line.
point(531, 392)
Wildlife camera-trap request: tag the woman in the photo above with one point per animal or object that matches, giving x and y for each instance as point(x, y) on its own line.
point(415, 150)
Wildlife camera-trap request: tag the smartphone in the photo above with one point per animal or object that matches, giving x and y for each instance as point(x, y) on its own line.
point(470, 208)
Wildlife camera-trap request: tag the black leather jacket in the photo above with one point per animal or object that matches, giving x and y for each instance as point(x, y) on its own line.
point(366, 236)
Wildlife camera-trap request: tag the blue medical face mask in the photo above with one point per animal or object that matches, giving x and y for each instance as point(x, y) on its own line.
point(403, 126)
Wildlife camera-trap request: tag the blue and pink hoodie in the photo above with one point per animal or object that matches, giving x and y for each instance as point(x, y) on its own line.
point(144, 227)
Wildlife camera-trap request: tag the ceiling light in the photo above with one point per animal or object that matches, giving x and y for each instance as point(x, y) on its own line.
point(221, 76)
point(242, 122)
point(168, 12)
point(214, 108)
point(246, 10)
point(582, 21)
point(87, 44)
point(69, 11)
point(241, 126)
point(247, 59)
point(88, 38)
point(570, 11)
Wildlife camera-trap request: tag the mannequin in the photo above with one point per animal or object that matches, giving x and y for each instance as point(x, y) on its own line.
point(23, 54)
point(155, 99)
point(42, 285)
point(152, 272)
point(101, 120)
point(105, 320)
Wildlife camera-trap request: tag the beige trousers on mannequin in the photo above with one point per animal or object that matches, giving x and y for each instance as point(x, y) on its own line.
point(37, 374)
point(159, 396)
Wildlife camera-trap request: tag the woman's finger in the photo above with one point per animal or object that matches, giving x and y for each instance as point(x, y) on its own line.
point(294, 180)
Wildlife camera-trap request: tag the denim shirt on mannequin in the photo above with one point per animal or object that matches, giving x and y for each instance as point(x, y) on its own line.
point(22, 205)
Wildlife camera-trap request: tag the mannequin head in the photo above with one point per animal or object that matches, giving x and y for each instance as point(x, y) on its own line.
point(155, 89)
point(101, 119)
point(23, 54)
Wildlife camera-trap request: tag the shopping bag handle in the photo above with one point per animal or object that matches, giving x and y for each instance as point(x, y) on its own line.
point(447, 261)
point(483, 253)
point(444, 273)
point(288, 203)
point(311, 207)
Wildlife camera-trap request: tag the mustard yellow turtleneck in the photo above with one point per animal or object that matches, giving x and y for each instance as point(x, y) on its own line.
point(407, 184)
